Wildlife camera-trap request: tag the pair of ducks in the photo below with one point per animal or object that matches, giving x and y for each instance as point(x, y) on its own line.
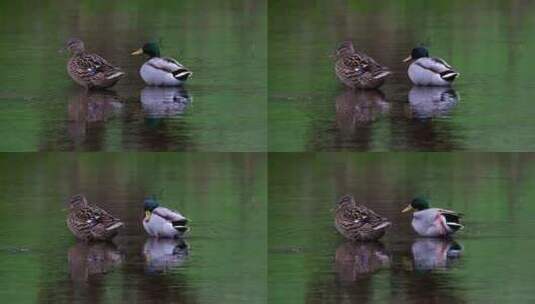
point(358, 70)
point(94, 72)
point(91, 223)
point(359, 223)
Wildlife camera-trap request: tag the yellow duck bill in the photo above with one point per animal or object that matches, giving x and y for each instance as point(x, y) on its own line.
point(137, 52)
point(407, 209)
point(147, 216)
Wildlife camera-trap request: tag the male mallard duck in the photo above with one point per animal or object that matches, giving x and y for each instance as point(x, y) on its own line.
point(358, 70)
point(429, 71)
point(358, 223)
point(89, 222)
point(90, 70)
point(161, 71)
point(161, 222)
point(433, 222)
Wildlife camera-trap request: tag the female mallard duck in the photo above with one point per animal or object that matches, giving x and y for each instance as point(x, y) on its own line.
point(429, 71)
point(358, 70)
point(161, 222)
point(89, 222)
point(433, 222)
point(161, 71)
point(90, 70)
point(358, 223)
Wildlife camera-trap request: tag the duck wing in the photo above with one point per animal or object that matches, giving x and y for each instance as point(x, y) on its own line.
point(451, 218)
point(171, 215)
point(92, 66)
point(359, 64)
point(92, 221)
point(363, 217)
point(169, 65)
point(437, 66)
point(100, 216)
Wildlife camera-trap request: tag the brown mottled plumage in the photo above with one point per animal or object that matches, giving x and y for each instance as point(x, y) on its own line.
point(358, 70)
point(90, 70)
point(358, 223)
point(91, 223)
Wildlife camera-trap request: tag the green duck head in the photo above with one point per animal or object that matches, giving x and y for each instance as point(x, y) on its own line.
point(417, 52)
point(152, 49)
point(418, 204)
point(150, 203)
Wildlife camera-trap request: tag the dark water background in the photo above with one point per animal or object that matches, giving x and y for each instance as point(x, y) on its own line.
point(223, 195)
point(489, 42)
point(309, 262)
point(222, 42)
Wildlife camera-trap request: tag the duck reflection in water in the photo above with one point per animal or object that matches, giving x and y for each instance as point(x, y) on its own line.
point(162, 255)
point(431, 253)
point(88, 259)
point(359, 107)
point(356, 111)
point(89, 107)
point(357, 260)
point(160, 102)
point(429, 102)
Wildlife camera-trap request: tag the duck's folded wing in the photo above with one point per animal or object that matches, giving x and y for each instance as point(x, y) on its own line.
point(451, 218)
point(359, 64)
point(103, 217)
point(94, 61)
point(91, 66)
point(376, 221)
point(167, 64)
point(435, 65)
point(450, 212)
point(170, 215)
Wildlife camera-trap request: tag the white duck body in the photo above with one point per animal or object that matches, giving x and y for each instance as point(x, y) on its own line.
point(162, 223)
point(435, 222)
point(164, 71)
point(429, 71)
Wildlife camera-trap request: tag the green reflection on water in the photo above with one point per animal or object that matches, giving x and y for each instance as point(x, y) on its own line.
point(489, 42)
point(224, 43)
point(223, 194)
point(494, 191)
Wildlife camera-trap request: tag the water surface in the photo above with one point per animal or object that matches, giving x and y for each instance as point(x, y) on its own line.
point(490, 261)
point(222, 259)
point(489, 109)
point(223, 43)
